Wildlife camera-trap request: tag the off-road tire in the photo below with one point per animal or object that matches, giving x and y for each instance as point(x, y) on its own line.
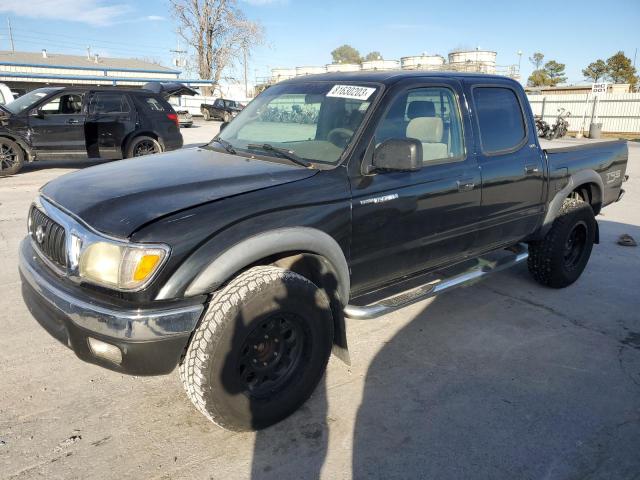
point(206, 114)
point(209, 371)
point(548, 257)
point(226, 117)
point(9, 147)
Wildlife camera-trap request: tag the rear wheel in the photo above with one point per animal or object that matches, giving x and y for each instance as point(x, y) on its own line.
point(206, 114)
point(261, 349)
point(143, 145)
point(11, 157)
point(560, 258)
point(226, 117)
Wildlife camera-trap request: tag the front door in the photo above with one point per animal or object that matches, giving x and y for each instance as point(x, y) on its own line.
point(511, 164)
point(406, 222)
point(57, 127)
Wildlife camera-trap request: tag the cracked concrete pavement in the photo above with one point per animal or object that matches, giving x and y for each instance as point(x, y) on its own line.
point(501, 379)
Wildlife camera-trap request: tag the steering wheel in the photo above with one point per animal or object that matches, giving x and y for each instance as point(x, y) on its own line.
point(340, 136)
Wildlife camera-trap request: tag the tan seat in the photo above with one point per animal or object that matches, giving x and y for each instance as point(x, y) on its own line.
point(429, 130)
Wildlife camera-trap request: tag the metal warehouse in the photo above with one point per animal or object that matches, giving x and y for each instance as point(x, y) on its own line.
point(25, 71)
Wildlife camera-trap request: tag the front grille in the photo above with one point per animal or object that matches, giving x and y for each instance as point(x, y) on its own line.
point(48, 236)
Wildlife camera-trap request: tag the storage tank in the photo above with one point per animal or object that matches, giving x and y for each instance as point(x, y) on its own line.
point(309, 70)
point(380, 65)
point(279, 74)
point(343, 67)
point(422, 62)
point(483, 61)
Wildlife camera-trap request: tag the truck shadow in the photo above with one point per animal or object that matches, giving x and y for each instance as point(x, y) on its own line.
point(502, 379)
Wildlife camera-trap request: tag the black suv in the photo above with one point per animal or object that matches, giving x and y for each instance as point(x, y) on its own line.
point(97, 122)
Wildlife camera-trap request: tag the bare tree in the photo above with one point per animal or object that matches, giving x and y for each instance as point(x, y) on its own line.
point(218, 32)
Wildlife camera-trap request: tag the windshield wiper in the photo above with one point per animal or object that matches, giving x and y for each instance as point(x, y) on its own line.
point(284, 152)
point(226, 145)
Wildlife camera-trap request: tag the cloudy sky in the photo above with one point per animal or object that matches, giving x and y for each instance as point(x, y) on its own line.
point(301, 32)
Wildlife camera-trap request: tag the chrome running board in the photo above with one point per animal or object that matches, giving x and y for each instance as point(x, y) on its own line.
point(482, 268)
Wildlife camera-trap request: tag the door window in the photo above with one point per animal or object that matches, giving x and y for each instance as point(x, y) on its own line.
point(67, 104)
point(108, 102)
point(500, 119)
point(430, 115)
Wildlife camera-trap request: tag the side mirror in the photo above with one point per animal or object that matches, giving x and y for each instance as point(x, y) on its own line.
point(402, 154)
point(223, 125)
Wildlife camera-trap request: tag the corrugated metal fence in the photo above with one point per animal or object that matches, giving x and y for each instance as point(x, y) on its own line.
point(618, 112)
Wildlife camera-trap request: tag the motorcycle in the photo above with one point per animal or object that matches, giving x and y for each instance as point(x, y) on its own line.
point(542, 127)
point(561, 127)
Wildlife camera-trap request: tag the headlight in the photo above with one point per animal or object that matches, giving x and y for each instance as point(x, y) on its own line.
point(121, 266)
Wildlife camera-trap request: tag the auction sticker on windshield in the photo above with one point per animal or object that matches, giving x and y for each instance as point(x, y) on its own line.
point(351, 91)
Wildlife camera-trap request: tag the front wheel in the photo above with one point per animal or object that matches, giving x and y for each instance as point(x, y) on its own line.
point(560, 258)
point(11, 157)
point(260, 350)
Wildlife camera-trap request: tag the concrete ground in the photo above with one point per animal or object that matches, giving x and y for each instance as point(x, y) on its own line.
point(504, 379)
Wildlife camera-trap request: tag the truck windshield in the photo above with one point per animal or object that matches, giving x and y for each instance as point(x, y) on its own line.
point(27, 100)
point(316, 121)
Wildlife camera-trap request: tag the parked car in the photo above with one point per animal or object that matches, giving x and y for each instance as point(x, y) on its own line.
point(238, 261)
point(221, 109)
point(6, 95)
point(184, 118)
point(80, 122)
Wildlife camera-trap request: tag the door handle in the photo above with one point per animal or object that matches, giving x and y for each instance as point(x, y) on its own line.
point(465, 185)
point(73, 121)
point(531, 169)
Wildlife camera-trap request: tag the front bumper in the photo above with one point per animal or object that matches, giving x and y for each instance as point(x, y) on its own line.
point(151, 340)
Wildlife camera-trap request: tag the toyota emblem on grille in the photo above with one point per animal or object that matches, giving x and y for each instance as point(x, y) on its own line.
point(40, 234)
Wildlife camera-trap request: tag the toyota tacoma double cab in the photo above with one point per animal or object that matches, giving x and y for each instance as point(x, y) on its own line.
point(238, 261)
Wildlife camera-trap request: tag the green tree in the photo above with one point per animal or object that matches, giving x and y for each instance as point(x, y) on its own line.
point(536, 60)
point(620, 69)
point(538, 78)
point(346, 54)
point(375, 55)
point(555, 72)
point(595, 70)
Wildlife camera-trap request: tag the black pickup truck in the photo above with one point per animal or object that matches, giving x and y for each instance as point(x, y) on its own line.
point(221, 109)
point(238, 261)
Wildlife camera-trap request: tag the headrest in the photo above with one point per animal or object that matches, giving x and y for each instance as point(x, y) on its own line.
point(421, 108)
point(426, 129)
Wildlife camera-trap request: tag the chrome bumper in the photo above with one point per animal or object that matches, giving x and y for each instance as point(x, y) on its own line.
point(129, 325)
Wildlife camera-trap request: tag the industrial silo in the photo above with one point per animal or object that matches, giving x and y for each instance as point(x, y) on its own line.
point(482, 61)
point(343, 67)
point(309, 70)
point(422, 62)
point(380, 65)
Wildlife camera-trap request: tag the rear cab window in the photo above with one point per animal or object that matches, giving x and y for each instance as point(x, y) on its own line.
point(500, 119)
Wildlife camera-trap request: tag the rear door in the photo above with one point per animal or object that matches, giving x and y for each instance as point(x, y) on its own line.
point(405, 222)
point(110, 118)
point(57, 126)
point(510, 161)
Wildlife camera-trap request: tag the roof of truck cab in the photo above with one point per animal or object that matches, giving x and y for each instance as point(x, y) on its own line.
point(388, 77)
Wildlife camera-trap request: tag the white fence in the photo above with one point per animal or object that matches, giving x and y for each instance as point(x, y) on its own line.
point(618, 112)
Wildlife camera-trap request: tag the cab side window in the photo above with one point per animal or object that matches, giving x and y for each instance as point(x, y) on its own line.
point(500, 119)
point(67, 104)
point(108, 102)
point(430, 115)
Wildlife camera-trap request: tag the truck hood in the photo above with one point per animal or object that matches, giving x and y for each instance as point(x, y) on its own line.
point(119, 197)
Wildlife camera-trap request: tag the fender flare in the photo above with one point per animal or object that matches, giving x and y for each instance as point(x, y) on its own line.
point(575, 180)
point(273, 242)
point(23, 145)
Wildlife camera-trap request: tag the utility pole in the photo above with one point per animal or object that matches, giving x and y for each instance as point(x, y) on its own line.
point(246, 85)
point(13, 48)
